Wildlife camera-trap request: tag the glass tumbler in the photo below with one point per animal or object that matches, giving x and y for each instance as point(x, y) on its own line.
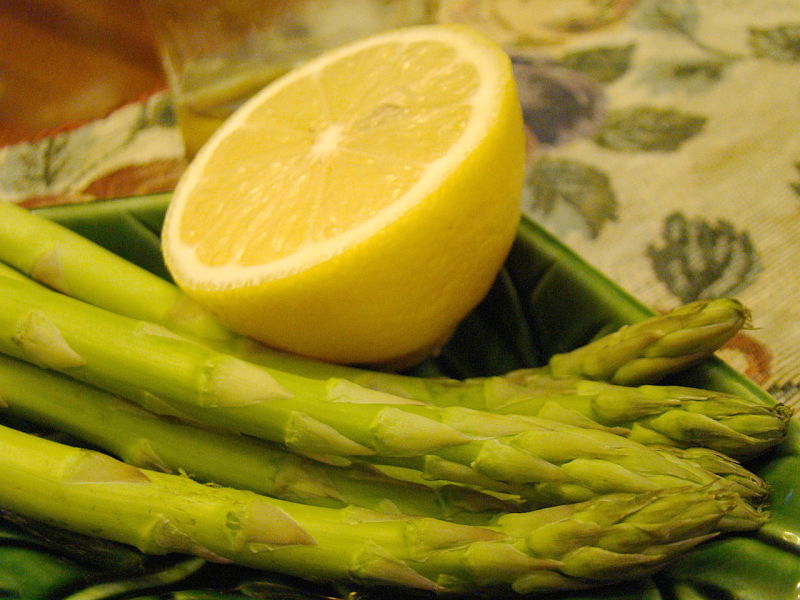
point(218, 53)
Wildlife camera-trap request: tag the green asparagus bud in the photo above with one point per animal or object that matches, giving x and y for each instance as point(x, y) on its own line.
point(549, 463)
point(664, 415)
point(145, 440)
point(623, 522)
point(748, 486)
point(646, 351)
point(158, 513)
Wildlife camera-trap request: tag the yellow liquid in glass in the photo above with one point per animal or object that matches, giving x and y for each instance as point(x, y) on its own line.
point(212, 86)
point(201, 111)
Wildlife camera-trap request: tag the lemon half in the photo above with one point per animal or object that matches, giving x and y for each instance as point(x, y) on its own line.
point(358, 208)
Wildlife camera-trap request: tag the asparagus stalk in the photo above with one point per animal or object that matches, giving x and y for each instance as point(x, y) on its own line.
point(576, 546)
point(54, 255)
point(144, 440)
point(176, 377)
point(666, 415)
point(636, 354)
point(650, 414)
point(671, 415)
point(644, 351)
point(68, 262)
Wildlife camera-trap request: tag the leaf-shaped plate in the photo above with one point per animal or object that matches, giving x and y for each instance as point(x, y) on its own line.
point(546, 300)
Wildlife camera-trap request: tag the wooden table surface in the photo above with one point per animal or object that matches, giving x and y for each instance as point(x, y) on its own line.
point(69, 61)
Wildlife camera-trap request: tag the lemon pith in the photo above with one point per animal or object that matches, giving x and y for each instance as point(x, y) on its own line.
point(356, 209)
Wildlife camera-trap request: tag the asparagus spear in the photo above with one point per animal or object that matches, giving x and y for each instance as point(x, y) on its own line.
point(68, 262)
point(144, 440)
point(648, 350)
point(640, 353)
point(180, 378)
point(177, 377)
point(666, 415)
point(559, 464)
point(741, 428)
point(651, 414)
point(738, 427)
point(605, 540)
point(670, 415)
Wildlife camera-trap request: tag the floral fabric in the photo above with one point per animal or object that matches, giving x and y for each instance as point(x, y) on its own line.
point(669, 151)
point(665, 149)
point(135, 150)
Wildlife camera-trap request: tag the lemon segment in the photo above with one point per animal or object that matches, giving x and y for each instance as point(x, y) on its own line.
point(357, 208)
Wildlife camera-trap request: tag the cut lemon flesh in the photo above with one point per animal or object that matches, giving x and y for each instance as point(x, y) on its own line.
point(357, 208)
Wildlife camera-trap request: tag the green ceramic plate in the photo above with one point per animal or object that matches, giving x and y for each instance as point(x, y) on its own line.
point(546, 300)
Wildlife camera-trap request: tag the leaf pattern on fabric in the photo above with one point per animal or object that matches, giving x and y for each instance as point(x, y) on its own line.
point(690, 75)
point(584, 188)
point(64, 164)
point(37, 166)
point(701, 260)
point(682, 19)
point(796, 184)
point(648, 128)
point(786, 391)
point(558, 104)
point(780, 43)
point(603, 64)
point(680, 16)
